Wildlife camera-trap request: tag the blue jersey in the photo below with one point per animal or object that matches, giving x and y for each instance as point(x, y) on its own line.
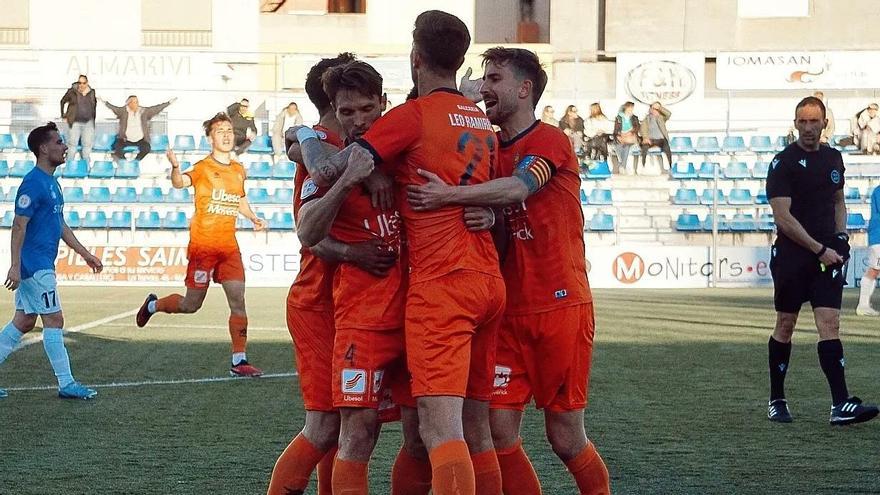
point(874, 224)
point(39, 198)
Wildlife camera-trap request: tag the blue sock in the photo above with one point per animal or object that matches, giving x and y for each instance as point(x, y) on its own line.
point(53, 343)
point(9, 338)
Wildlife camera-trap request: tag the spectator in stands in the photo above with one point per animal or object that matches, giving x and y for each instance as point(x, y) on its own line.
point(597, 132)
point(289, 117)
point(626, 135)
point(80, 115)
point(134, 125)
point(654, 133)
point(828, 131)
point(867, 129)
point(243, 125)
point(548, 116)
point(573, 127)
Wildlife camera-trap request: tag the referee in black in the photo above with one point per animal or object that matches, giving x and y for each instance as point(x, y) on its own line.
point(805, 189)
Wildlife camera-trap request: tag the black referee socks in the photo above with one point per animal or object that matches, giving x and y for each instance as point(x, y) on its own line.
point(831, 360)
point(779, 355)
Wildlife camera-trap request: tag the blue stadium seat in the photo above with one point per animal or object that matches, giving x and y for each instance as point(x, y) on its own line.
point(584, 200)
point(148, 220)
point(681, 144)
point(258, 196)
point(184, 143)
point(175, 220)
point(124, 195)
point(120, 220)
point(11, 194)
point(242, 223)
point(852, 195)
point(284, 170)
point(129, 169)
point(95, 220)
point(6, 220)
point(4, 168)
point(72, 219)
point(734, 144)
point(158, 143)
point(282, 196)
point(722, 223)
point(185, 165)
point(102, 169)
point(766, 223)
point(281, 220)
point(781, 143)
point(151, 195)
point(688, 222)
point(855, 221)
point(103, 142)
point(20, 168)
point(21, 142)
point(686, 196)
point(707, 144)
point(740, 197)
point(706, 197)
point(204, 145)
point(6, 142)
point(599, 172)
point(761, 144)
point(761, 198)
point(600, 197)
point(73, 194)
point(76, 169)
point(262, 145)
point(98, 194)
point(707, 170)
point(737, 170)
point(743, 222)
point(178, 196)
point(760, 170)
point(259, 170)
point(684, 171)
point(835, 141)
point(602, 222)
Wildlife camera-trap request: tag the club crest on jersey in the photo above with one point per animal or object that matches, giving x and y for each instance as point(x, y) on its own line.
point(354, 381)
point(24, 201)
point(835, 176)
point(309, 188)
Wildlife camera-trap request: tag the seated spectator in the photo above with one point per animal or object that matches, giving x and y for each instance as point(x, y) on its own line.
point(548, 116)
point(828, 131)
point(573, 127)
point(288, 118)
point(597, 133)
point(134, 125)
point(243, 125)
point(867, 129)
point(654, 133)
point(626, 135)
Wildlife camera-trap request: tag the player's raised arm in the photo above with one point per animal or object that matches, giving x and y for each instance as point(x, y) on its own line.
point(324, 165)
point(178, 180)
point(70, 239)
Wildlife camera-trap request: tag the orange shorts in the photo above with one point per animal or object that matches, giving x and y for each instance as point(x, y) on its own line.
point(365, 365)
point(217, 265)
point(545, 355)
point(452, 325)
point(312, 334)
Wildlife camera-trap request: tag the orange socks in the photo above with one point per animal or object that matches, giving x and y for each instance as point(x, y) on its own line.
point(451, 469)
point(169, 304)
point(325, 472)
point(589, 472)
point(350, 478)
point(410, 476)
point(238, 332)
point(294, 467)
point(487, 473)
point(517, 473)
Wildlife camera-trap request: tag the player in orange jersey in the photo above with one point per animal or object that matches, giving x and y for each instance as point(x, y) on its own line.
point(456, 294)
point(213, 249)
point(546, 341)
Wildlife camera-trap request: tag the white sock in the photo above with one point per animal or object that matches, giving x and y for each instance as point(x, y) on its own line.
point(9, 338)
point(53, 343)
point(238, 357)
point(866, 291)
point(151, 306)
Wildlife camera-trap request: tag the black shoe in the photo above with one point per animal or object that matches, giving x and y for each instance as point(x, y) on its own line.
point(852, 411)
point(777, 410)
point(143, 314)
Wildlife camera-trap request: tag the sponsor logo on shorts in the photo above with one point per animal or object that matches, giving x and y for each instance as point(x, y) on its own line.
point(377, 380)
point(24, 201)
point(502, 376)
point(354, 381)
point(561, 293)
point(308, 188)
point(200, 277)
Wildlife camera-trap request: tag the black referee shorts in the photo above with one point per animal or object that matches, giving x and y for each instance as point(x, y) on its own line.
point(798, 277)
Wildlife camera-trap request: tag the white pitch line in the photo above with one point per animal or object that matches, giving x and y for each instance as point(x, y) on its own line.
point(198, 327)
point(159, 382)
point(78, 328)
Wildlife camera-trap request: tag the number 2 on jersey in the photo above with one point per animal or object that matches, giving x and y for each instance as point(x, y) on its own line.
point(477, 152)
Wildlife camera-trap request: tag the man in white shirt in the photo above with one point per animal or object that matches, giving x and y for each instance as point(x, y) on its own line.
point(287, 118)
point(134, 125)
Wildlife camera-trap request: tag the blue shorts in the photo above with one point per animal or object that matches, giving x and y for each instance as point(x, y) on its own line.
point(38, 295)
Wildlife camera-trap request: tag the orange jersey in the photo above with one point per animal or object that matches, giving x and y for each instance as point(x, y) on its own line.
point(545, 267)
point(218, 191)
point(313, 287)
point(446, 134)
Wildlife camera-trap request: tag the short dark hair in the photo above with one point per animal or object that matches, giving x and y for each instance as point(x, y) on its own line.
point(83, 76)
point(293, 103)
point(413, 93)
point(442, 41)
point(216, 119)
point(130, 97)
point(356, 76)
point(244, 100)
point(40, 136)
point(524, 63)
point(808, 102)
point(314, 87)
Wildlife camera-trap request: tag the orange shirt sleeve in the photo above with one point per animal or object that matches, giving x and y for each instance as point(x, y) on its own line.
point(394, 132)
point(194, 173)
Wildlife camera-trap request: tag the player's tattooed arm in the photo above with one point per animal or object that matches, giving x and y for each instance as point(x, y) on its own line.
point(70, 239)
point(370, 256)
point(325, 166)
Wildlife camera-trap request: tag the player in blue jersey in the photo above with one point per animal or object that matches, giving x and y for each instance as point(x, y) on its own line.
point(869, 279)
point(37, 228)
